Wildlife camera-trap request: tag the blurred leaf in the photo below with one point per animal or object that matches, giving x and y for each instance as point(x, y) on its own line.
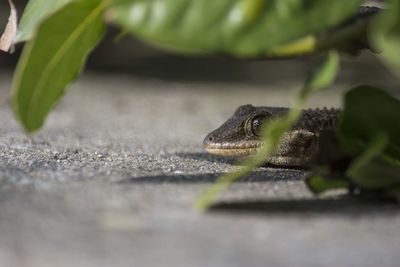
point(374, 170)
point(273, 131)
point(319, 184)
point(369, 131)
point(35, 12)
point(7, 38)
point(369, 112)
point(325, 74)
point(386, 34)
point(53, 58)
point(239, 27)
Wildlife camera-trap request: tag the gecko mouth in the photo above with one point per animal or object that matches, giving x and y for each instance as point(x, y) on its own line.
point(274, 160)
point(232, 150)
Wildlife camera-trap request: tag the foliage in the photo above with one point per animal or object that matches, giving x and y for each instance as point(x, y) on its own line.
point(238, 27)
point(35, 12)
point(369, 133)
point(245, 28)
point(55, 57)
point(386, 35)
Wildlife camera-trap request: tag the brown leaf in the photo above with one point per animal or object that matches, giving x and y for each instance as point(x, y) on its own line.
point(7, 39)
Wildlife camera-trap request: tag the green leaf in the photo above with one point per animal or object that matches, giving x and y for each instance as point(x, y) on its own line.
point(273, 131)
point(368, 112)
point(373, 169)
point(35, 12)
point(239, 27)
point(325, 74)
point(53, 58)
point(386, 34)
point(369, 131)
point(319, 184)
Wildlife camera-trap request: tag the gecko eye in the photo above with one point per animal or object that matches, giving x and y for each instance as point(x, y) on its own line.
point(253, 124)
point(256, 125)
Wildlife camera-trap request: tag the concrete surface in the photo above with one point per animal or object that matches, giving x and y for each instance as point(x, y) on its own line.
point(111, 180)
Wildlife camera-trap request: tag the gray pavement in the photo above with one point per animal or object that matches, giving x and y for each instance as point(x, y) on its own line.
point(111, 180)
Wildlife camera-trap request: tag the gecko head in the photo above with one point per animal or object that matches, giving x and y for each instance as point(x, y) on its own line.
point(240, 135)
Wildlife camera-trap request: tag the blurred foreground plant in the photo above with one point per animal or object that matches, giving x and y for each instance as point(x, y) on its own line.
point(60, 34)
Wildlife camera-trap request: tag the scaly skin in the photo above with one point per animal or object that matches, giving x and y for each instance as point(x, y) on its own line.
point(239, 135)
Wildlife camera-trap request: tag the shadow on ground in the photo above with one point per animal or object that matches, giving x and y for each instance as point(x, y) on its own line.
point(202, 156)
point(235, 161)
point(263, 174)
point(258, 176)
point(345, 205)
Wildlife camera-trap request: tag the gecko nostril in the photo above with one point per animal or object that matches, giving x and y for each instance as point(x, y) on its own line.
point(208, 140)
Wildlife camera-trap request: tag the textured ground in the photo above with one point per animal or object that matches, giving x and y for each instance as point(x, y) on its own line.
point(111, 180)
